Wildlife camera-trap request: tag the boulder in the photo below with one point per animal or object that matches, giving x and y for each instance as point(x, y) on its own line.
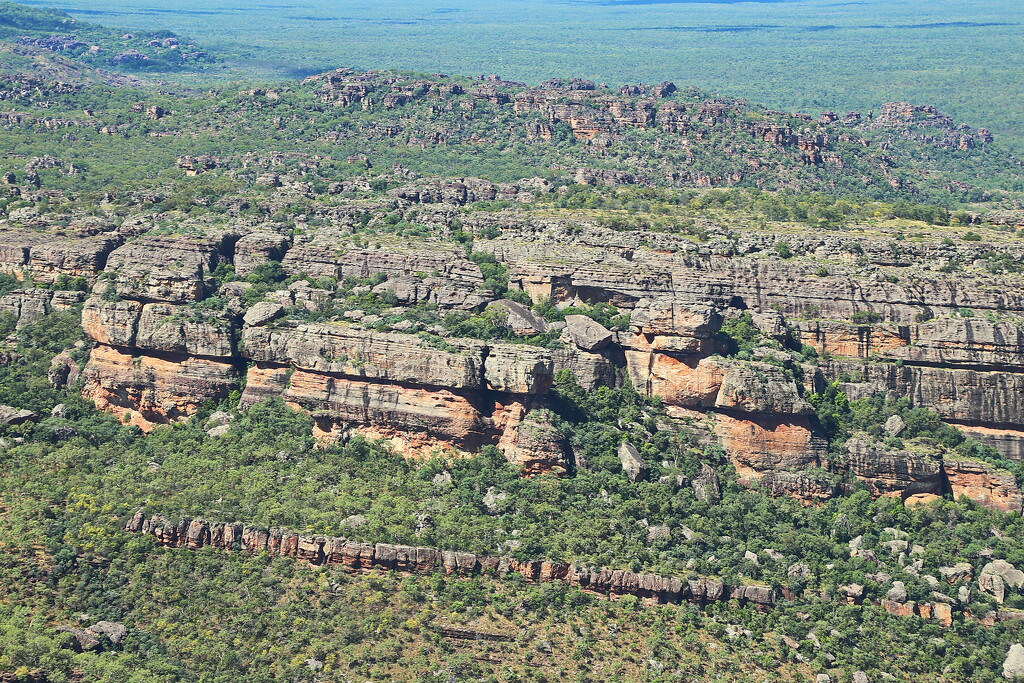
point(492, 500)
point(771, 324)
point(1013, 665)
point(114, 631)
point(895, 425)
point(262, 313)
point(854, 592)
point(16, 416)
point(519, 319)
point(997, 576)
point(586, 333)
point(632, 462)
point(219, 419)
point(898, 592)
point(706, 486)
point(84, 641)
point(92, 639)
point(63, 372)
point(799, 571)
point(961, 571)
point(535, 445)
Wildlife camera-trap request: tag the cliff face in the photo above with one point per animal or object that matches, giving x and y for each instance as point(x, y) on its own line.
point(171, 333)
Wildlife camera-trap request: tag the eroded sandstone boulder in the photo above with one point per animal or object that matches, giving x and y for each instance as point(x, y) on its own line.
point(997, 576)
point(535, 444)
point(633, 464)
point(586, 333)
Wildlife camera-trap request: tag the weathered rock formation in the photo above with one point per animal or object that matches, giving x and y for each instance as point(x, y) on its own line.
point(358, 556)
point(171, 334)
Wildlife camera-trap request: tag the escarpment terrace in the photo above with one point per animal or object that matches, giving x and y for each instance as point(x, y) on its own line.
point(417, 340)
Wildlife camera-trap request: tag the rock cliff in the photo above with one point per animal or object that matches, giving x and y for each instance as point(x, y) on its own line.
point(175, 324)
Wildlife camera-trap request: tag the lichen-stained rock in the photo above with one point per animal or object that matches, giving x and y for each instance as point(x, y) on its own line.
point(351, 352)
point(759, 388)
point(758, 443)
point(997, 576)
point(85, 258)
point(325, 257)
point(16, 416)
point(178, 329)
point(806, 486)
point(1013, 665)
point(150, 390)
point(706, 486)
point(591, 370)
point(535, 444)
point(29, 305)
point(409, 290)
point(518, 369)
point(64, 371)
point(771, 324)
point(257, 248)
point(519, 319)
point(163, 269)
point(586, 333)
point(111, 322)
point(983, 483)
point(45, 257)
point(633, 464)
point(262, 313)
point(889, 472)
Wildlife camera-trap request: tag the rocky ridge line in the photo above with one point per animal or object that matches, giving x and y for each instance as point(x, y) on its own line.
point(356, 556)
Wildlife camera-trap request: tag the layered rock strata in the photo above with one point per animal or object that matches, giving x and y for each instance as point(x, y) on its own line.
point(355, 556)
point(170, 334)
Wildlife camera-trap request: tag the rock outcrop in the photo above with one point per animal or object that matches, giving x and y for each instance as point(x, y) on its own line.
point(356, 556)
point(170, 333)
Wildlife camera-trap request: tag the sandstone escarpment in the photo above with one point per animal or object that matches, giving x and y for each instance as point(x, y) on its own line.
point(29, 305)
point(173, 270)
point(162, 301)
point(922, 471)
point(45, 258)
point(902, 473)
point(146, 390)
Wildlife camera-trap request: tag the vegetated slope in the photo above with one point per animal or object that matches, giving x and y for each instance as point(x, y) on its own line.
point(68, 487)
